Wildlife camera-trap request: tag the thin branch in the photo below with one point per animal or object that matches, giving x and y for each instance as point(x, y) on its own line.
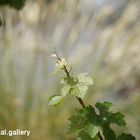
point(66, 71)
point(80, 101)
point(78, 98)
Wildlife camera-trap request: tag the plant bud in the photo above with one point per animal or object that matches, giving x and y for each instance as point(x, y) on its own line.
point(53, 55)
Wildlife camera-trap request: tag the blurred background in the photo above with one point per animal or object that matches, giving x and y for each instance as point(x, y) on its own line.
point(101, 37)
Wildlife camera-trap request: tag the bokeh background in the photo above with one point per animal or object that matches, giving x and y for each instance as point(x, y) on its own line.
point(101, 37)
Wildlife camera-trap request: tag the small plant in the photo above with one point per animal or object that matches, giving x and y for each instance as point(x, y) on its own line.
point(88, 123)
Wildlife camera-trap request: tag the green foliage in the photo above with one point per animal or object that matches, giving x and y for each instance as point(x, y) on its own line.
point(76, 86)
point(56, 99)
point(84, 136)
point(80, 88)
point(124, 136)
point(107, 116)
point(90, 122)
point(17, 4)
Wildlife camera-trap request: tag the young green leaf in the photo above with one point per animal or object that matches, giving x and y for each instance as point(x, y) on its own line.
point(117, 118)
point(91, 115)
point(69, 81)
point(84, 79)
point(77, 122)
point(81, 121)
point(82, 135)
point(107, 116)
point(124, 136)
point(103, 107)
point(109, 134)
point(56, 99)
point(80, 88)
point(65, 90)
point(92, 129)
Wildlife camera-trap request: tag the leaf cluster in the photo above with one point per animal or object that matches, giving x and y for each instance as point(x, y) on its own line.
point(89, 124)
point(76, 86)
